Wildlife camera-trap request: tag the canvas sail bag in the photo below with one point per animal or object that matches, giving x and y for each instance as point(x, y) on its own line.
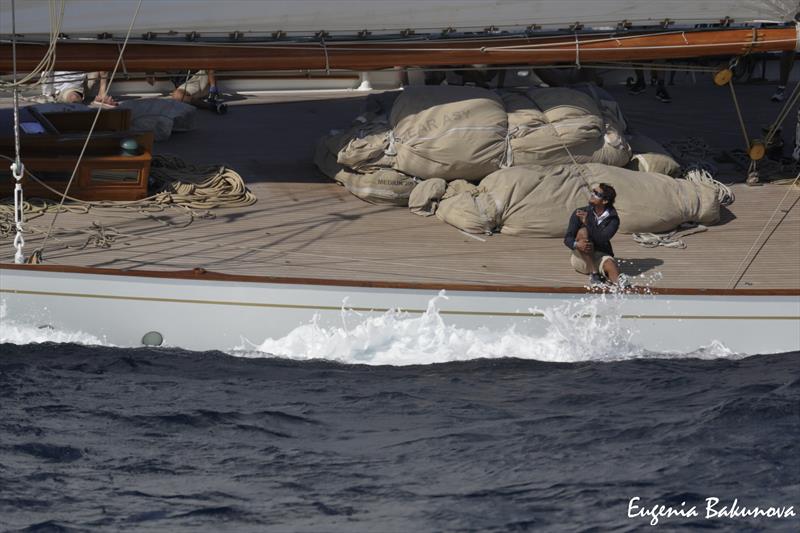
point(538, 201)
point(651, 156)
point(552, 126)
point(326, 152)
point(652, 202)
point(474, 211)
point(384, 186)
point(365, 146)
point(425, 197)
point(448, 132)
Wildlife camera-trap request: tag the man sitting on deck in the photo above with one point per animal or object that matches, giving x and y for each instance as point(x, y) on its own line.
point(589, 237)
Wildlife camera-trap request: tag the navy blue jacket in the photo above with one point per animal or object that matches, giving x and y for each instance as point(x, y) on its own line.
point(599, 234)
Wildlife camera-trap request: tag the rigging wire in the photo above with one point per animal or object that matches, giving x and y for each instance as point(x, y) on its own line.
point(734, 281)
point(38, 253)
point(48, 60)
point(17, 168)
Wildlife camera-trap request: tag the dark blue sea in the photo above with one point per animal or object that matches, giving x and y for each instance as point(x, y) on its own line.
point(110, 439)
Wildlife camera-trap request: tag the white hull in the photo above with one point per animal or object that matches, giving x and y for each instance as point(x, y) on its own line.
point(205, 314)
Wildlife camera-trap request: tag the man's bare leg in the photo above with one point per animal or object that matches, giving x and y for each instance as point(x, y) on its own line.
point(181, 96)
point(611, 270)
point(72, 97)
point(588, 256)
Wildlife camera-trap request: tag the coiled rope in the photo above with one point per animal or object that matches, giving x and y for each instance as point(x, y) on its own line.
point(178, 184)
point(673, 239)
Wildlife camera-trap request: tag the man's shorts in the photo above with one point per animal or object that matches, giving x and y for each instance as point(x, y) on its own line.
point(580, 265)
point(196, 86)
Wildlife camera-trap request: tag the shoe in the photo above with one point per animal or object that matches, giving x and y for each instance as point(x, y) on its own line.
point(663, 95)
point(596, 280)
point(637, 88)
point(623, 282)
point(778, 96)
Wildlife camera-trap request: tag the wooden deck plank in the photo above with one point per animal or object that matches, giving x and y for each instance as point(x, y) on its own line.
point(304, 225)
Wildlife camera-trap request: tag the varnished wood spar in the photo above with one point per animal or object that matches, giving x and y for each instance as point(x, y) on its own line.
point(378, 54)
point(205, 275)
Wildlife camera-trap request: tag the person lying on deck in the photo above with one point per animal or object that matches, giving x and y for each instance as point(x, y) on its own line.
point(70, 87)
point(193, 88)
point(589, 237)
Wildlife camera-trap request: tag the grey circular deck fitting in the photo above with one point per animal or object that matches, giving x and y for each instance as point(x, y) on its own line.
point(129, 146)
point(153, 338)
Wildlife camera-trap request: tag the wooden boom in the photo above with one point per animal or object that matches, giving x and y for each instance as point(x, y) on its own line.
point(365, 54)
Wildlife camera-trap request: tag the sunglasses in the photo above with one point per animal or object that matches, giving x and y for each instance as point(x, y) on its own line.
point(598, 195)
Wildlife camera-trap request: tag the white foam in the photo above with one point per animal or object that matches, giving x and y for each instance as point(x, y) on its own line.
point(585, 330)
point(14, 333)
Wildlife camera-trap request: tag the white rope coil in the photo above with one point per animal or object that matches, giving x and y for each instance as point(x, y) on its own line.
point(698, 174)
point(178, 185)
point(673, 239)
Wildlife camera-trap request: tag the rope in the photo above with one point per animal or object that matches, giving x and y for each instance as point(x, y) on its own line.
point(733, 283)
point(39, 253)
point(48, 60)
point(673, 239)
point(196, 187)
point(739, 114)
point(692, 151)
point(327, 59)
point(178, 185)
point(698, 174)
point(787, 106)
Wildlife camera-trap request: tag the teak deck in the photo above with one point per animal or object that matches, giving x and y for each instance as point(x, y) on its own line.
point(303, 225)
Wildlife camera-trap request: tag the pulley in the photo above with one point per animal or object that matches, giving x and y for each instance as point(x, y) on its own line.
point(723, 77)
point(757, 150)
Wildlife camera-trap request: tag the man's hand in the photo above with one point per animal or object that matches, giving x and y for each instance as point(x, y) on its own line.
point(581, 214)
point(584, 246)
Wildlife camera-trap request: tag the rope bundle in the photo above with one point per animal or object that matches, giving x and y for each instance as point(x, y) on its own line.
point(194, 187)
point(690, 151)
point(178, 184)
point(673, 239)
point(698, 174)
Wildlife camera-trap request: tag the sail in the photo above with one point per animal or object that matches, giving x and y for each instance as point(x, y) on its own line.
point(350, 16)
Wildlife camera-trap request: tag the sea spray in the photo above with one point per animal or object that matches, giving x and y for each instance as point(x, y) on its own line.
point(589, 329)
point(15, 333)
